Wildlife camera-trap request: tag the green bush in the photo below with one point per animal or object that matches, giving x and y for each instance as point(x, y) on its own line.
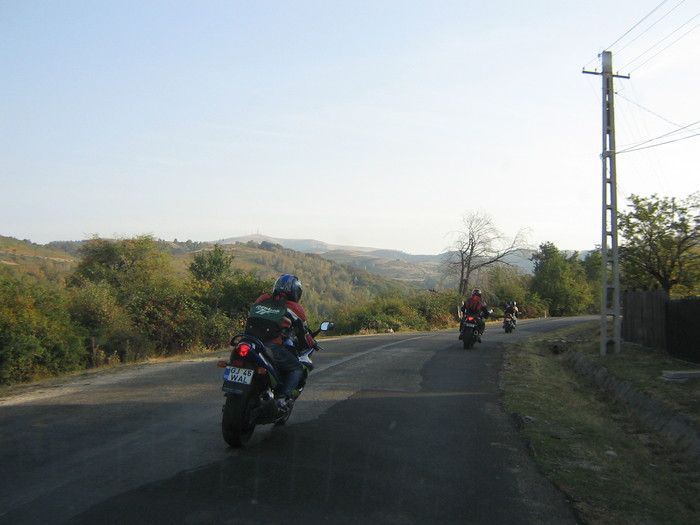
point(37, 335)
point(109, 328)
point(391, 312)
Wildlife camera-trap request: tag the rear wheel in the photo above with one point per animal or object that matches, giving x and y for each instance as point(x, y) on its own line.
point(468, 341)
point(235, 422)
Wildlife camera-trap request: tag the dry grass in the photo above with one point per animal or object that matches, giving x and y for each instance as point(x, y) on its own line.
point(613, 469)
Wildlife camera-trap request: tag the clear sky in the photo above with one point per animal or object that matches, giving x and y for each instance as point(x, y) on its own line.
point(375, 123)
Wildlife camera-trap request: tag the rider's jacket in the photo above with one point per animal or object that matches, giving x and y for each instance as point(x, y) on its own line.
point(294, 319)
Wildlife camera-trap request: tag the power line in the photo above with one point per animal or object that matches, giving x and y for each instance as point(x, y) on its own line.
point(637, 24)
point(665, 48)
point(656, 145)
point(647, 110)
point(648, 28)
point(638, 147)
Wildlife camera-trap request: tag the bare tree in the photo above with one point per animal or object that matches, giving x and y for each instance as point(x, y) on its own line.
point(479, 244)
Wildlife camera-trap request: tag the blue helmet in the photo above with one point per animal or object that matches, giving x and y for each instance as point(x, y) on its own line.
point(289, 286)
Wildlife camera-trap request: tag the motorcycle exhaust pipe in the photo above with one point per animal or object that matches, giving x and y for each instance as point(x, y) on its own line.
point(267, 397)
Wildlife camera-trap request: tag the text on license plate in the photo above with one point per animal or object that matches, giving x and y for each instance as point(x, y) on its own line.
point(470, 325)
point(238, 375)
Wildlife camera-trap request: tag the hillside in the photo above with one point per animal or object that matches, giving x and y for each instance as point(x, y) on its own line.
point(424, 271)
point(34, 259)
point(298, 245)
point(326, 282)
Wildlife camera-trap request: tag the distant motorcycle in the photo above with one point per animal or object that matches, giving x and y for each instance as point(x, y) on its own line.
point(250, 379)
point(508, 323)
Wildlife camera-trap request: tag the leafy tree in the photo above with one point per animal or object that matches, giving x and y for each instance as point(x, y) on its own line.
point(561, 281)
point(592, 267)
point(534, 306)
point(661, 243)
point(225, 294)
point(37, 336)
point(110, 329)
point(436, 308)
point(124, 264)
point(168, 315)
point(506, 284)
point(479, 245)
point(239, 292)
point(142, 281)
point(212, 266)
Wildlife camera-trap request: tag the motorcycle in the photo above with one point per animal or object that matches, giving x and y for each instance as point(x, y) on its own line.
point(250, 378)
point(508, 323)
point(469, 333)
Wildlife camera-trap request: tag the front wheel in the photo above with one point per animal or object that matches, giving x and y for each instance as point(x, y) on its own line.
point(282, 420)
point(235, 422)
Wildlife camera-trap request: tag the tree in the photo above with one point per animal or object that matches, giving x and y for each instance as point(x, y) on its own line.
point(561, 281)
point(123, 264)
point(142, 282)
point(37, 335)
point(478, 245)
point(506, 284)
point(213, 265)
point(110, 329)
point(592, 268)
point(661, 246)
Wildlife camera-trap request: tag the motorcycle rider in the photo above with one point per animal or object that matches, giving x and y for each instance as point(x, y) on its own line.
point(476, 307)
point(279, 321)
point(512, 309)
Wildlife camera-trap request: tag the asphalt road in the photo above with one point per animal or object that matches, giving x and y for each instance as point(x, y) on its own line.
point(391, 429)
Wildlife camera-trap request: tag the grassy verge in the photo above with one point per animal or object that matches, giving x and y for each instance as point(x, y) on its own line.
point(614, 470)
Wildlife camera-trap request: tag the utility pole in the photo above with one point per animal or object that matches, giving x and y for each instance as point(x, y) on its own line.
point(610, 311)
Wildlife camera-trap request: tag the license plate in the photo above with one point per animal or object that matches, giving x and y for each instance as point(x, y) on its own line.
point(470, 325)
point(238, 375)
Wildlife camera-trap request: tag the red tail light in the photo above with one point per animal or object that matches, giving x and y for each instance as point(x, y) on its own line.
point(470, 318)
point(243, 350)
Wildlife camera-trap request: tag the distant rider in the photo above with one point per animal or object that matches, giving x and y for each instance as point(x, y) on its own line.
point(512, 309)
point(476, 307)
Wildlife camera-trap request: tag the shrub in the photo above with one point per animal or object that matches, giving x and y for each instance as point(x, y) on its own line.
point(37, 336)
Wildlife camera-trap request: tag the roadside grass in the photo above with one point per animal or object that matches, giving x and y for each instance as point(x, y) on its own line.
point(614, 470)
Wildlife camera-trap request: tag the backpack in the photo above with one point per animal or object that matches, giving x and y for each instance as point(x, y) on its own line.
point(265, 319)
point(474, 304)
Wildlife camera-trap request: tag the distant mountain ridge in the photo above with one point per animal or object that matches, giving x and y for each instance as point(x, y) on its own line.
point(423, 270)
point(321, 247)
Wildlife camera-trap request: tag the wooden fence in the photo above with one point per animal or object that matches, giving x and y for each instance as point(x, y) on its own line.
point(683, 328)
point(651, 319)
point(644, 318)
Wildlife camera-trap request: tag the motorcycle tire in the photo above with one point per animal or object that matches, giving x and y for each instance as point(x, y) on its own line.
point(468, 342)
point(283, 420)
point(235, 424)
